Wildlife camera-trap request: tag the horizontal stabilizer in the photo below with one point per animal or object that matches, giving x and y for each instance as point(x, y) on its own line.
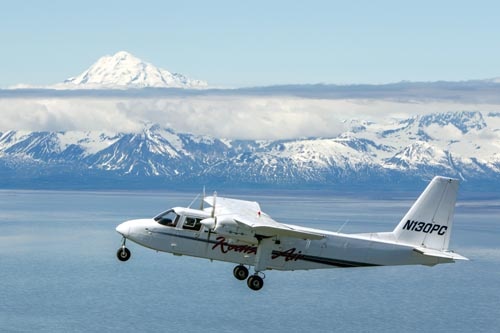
point(440, 254)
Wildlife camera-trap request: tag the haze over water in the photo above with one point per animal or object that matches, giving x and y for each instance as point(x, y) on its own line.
point(59, 273)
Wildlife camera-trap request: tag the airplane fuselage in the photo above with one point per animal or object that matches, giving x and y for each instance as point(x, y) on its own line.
point(284, 253)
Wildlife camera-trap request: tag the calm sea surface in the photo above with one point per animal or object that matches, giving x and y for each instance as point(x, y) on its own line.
point(59, 273)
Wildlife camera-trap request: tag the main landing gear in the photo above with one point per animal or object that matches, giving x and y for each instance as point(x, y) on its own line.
point(123, 254)
point(240, 272)
point(254, 282)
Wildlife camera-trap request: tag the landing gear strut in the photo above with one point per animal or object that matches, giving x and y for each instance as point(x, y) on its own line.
point(123, 254)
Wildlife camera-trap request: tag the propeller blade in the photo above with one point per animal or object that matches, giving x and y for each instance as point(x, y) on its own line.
point(202, 199)
point(213, 205)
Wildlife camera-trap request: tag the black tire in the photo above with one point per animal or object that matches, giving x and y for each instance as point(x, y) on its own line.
point(240, 272)
point(255, 282)
point(123, 254)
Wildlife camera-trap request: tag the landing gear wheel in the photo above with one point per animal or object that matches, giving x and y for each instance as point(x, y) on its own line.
point(240, 272)
point(255, 282)
point(123, 254)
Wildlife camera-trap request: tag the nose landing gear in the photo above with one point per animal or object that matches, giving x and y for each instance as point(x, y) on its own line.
point(123, 254)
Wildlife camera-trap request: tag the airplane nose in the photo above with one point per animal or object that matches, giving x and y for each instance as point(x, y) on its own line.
point(123, 229)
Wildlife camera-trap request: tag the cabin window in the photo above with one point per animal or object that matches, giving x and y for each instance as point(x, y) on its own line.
point(192, 223)
point(169, 218)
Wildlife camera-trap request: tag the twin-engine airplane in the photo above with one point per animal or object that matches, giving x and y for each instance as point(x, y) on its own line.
point(238, 231)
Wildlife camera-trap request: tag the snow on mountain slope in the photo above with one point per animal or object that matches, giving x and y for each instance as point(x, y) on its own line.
point(54, 145)
point(323, 153)
point(90, 142)
point(37, 145)
point(420, 155)
point(123, 70)
point(149, 153)
point(466, 133)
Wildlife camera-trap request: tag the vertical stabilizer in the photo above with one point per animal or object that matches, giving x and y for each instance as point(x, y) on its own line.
point(428, 222)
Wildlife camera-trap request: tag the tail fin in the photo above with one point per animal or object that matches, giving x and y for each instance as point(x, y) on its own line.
point(428, 222)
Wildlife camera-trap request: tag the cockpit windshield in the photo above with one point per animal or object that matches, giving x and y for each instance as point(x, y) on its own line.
point(168, 218)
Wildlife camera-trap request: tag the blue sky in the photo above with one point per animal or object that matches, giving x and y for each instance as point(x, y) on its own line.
point(253, 43)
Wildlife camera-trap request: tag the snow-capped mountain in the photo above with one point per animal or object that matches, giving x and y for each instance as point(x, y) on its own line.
point(123, 70)
point(465, 145)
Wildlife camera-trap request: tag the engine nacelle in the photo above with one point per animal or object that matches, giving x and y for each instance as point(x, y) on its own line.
point(209, 223)
point(230, 229)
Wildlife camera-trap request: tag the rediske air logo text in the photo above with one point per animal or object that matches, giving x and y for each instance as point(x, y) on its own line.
point(428, 228)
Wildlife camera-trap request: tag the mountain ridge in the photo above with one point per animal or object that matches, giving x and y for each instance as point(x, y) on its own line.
point(411, 150)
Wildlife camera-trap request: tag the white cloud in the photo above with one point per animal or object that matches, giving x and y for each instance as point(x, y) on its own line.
point(225, 116)
point(55, 114)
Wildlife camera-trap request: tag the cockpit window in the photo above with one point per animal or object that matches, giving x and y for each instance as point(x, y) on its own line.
point(192, 223)
point(169, 218)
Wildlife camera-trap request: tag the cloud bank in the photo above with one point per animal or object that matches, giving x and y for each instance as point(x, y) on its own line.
point(253, 113)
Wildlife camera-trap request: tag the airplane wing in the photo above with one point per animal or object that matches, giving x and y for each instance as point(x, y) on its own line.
point(266, 226)
point(225, 206)
point(249, 215)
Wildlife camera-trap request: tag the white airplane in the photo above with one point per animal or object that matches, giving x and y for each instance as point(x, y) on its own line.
point(238, 231)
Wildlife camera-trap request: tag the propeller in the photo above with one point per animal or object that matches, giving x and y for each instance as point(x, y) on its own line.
point(211, 222)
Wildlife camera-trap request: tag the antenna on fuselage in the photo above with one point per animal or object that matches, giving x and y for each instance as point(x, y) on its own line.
point(192, 202)
point(343, 225)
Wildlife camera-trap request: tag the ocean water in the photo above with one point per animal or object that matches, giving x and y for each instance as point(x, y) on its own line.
point(59, 273)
